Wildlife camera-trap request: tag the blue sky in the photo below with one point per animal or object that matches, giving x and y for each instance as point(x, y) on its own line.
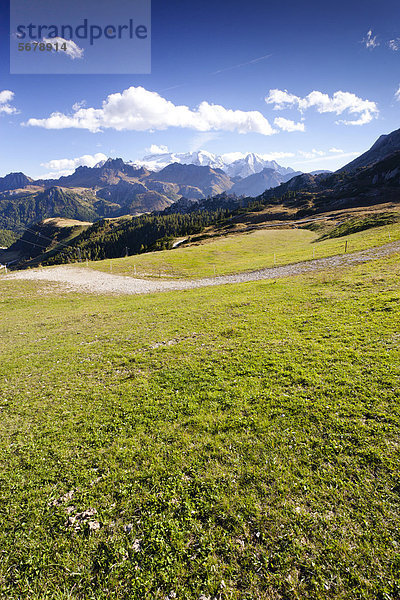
point(214, 64)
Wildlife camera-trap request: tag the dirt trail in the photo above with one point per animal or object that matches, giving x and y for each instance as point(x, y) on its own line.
point(96, 282)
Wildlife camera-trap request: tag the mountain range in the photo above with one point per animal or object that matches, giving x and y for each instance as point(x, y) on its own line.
point(233, 164)
point(372, 180)
point(116, 188)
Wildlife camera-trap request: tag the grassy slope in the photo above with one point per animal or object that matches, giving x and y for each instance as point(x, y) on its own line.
point(67, 233)
point(246, 438)
point(6, 238)
point(242, 252)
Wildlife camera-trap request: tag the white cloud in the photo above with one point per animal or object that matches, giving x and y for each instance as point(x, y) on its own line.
point(365, 118)
point(336, 150)
point(283, 99)
point(312, 158)
point(397, 94)
point(277, 155)
point(66, 166)
point(338, 104)
point(370, 40)
point(6, 96)
point(230, 157)
point(199, 140)
point(78, 105)
point(154, 149)
point(394, 44)
point(137, 109)
point(53, 174)
point(288, 125)
point(73, 50)
point(312, 153)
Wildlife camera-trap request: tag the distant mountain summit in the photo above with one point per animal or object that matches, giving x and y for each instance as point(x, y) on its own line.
point(254, 163)
point(257, 183)
point(14, 181)
point(384, 146)
point(210, 180)
point(233, 164)
point(201, 158)
point(104, 173)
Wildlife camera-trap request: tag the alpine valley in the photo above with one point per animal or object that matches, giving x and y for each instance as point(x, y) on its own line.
point(114, 188)
point(118, 207)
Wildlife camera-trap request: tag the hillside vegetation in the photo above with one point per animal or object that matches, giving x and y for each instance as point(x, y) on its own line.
point(249, 251)
point(305, 195)
point(7, 237)
point(27, 208)
point(113, 238)
point(368, 185)
point(41, 241)
point(353, 225)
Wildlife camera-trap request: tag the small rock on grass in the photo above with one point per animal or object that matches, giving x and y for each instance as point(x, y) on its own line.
point(62, 499)
point(79, 519)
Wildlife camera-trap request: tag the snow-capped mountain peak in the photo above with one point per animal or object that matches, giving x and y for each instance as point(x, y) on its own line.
point(235, 164)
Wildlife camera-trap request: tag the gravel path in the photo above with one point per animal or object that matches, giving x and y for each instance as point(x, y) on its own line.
point(96, 282)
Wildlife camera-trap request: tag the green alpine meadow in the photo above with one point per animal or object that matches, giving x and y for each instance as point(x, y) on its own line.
point(242, 444)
